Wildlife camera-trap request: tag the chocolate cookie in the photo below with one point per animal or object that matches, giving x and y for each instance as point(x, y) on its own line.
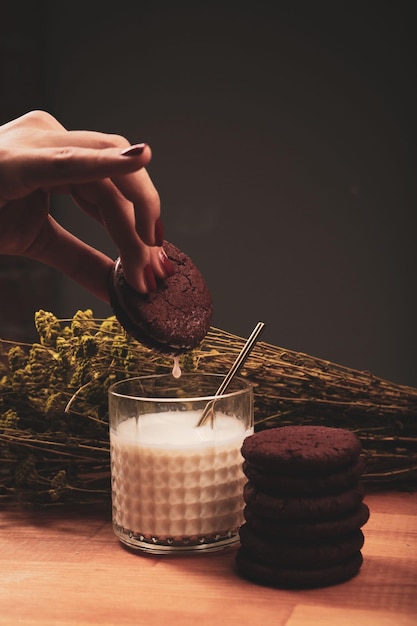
point(280, 483)
point(173, 319)
point(308, 530)
point(303, 508)
point(286, 578)
point(302, 450)
point(300, 553)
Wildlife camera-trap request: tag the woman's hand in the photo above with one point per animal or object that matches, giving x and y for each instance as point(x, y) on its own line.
point(105, 176)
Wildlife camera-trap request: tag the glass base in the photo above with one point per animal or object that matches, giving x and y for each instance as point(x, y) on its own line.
point(174, 545)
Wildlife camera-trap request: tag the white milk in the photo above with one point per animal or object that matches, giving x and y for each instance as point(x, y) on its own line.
point(188, 484)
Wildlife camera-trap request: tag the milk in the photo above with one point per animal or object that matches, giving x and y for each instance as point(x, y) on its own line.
point(173, 481)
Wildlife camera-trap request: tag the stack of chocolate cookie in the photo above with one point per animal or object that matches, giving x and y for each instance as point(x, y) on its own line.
point(304, 507)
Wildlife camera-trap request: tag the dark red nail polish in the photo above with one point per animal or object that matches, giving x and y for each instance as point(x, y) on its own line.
point(134, 150)
point(159, 232)
point(149, 278)
point(166, 263)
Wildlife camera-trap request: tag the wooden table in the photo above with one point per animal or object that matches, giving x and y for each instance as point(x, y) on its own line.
point(61, 567)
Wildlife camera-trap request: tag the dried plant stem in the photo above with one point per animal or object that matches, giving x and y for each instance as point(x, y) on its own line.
point(53, 404)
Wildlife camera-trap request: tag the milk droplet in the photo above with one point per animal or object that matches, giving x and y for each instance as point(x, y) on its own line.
point(176, 370)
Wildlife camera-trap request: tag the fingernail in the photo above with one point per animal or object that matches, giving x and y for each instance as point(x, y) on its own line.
point(149, 278)
point(166, 263)
point(159, 232)
point(134, 150)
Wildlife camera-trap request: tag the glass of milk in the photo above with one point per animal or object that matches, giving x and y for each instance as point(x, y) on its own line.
point(177, 486)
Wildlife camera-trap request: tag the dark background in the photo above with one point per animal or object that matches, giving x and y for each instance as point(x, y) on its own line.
point(283, 140)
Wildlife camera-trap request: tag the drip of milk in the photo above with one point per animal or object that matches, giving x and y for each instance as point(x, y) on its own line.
point(176, 370)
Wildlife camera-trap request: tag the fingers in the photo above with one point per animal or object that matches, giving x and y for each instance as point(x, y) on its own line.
point(142, 265)
point(89, 267)
point(39, 129)
point(25, 171)
point(119, 219)
point(108, 180)
point(58, 248)
point(139, 189)
point(136, 186)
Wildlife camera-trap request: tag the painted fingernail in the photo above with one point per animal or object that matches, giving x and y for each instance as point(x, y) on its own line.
point(134, 150)
point(149, 278)
point(166, 263)
point(159, 232)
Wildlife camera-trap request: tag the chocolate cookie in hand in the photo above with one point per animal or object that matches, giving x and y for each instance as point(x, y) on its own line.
point(173, 319)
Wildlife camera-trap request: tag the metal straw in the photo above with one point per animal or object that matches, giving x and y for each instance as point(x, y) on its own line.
point(208, 412)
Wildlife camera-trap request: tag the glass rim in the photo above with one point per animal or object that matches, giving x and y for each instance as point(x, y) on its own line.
point(246, 386)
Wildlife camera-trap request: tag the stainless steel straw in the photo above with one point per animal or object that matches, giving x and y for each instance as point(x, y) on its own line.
point(208, 412)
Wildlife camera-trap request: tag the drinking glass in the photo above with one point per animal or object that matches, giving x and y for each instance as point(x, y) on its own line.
point(177, 486)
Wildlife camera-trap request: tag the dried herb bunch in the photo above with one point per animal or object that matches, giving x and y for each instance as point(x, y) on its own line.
point(54, 443)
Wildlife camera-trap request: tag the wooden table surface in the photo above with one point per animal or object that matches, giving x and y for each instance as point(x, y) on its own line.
point(61, 567)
